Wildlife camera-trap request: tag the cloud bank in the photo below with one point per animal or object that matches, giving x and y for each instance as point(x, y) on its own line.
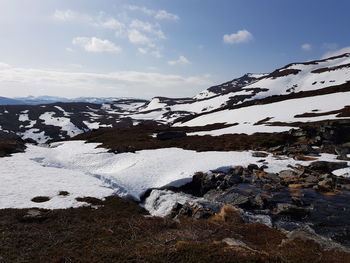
point(18, 81)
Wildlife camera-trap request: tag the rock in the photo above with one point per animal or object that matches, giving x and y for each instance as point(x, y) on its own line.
point(288, 175)
point(311, 179)
point(291, 210)
point(196, 210)
point(168, 135)
point(298, 202)
point(252, 167)
point(327, 167)
point(238, 170)
point(260, 154)
point(233, 179)
point(236, 243)
point(325, 185)
point(230, 197)
point(125, 149)
point(307, 234)
point(33, 215)
point(258, 201)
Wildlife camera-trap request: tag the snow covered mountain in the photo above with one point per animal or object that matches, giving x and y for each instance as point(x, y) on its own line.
point(42, 123)
point(310, 78)
point(33, 100)
point(293, 95)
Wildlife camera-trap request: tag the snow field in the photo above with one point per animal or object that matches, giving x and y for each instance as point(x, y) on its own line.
point(84, 170)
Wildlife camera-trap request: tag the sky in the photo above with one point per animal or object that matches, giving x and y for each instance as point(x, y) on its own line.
point(147, 48)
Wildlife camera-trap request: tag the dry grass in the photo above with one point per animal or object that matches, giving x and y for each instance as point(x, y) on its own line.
point(118, 231)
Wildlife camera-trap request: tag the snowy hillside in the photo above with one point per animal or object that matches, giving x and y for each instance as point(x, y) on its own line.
point(297, 93)
point(293, 78)
point(42, 123)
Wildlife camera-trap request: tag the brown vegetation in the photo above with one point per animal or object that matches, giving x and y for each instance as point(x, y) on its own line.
point(140, 138)
point(120, 231)
point(9, 146)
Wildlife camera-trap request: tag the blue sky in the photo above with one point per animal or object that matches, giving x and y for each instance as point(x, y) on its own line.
point(145, 48)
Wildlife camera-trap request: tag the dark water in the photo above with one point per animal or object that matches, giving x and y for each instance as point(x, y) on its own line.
point(328, 216)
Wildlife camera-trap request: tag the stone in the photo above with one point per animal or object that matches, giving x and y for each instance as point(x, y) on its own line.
point(291, 210)
point(252, 167)
point(236, 243)
point(33, 215)
point(288, 175)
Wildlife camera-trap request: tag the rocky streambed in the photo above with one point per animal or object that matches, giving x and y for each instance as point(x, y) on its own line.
point(304, 197)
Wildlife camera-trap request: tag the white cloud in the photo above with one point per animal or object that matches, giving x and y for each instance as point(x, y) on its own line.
point(242, 36)
point(141, 9)
point(65, 15)
point(306, 47)
point(337, 52)
point(143, 50)
point(111, 23)
point(164, 15)
point(147, 28)
point(96, 45)
point(181, 61)
point(136, 37)
point(25, 81)
point(68, 49)
point(4, 66)
point(157, 14)
point(99, 21)
point(157, 54)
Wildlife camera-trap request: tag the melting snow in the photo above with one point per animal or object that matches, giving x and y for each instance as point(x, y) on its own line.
point(62, 122)
point(84, 170)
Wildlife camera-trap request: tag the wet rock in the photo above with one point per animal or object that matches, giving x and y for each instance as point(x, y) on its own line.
point(258, 201)
point(252, 167)
point(233, 179)
point(196, 210)
point(168, 135)
point(294, 211)
point(230, 197)
point(288, 175)
point(326, 184)
point(327, 167)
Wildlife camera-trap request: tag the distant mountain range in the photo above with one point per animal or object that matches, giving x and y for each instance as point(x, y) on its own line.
point(37, 100)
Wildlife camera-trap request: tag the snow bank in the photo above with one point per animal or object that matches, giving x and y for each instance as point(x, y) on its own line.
point(283, 111)
point(84, 170)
